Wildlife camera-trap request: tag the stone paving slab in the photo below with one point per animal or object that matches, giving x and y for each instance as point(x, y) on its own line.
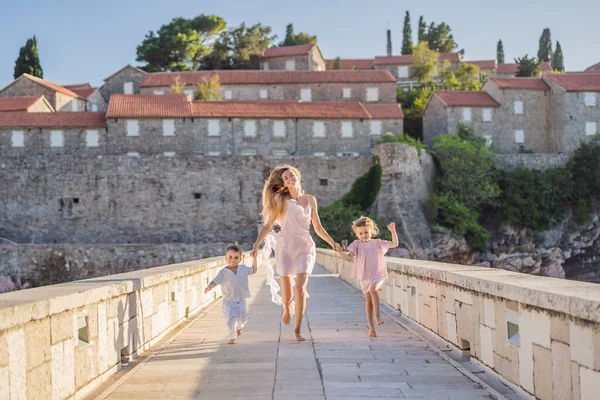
point(337, 361)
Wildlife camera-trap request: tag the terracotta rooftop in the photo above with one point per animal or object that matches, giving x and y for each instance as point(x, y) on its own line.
point(22, 104)
point(52, 120)
point(484, 64)
point(148, 105)
point(582, 82)
point(466, 99)
point(288, 51)
point(84, 90)
point(593, 68)
point(50, 85)
point(349, 63)
point(268, 77)
point(407, 59)
point(385, 111)
point(521, 83)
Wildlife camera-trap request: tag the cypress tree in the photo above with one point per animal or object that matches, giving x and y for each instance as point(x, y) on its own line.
point(29, 60)
point(407, 35)
point(422, 30)
point(558, 61)
point(500, 52)
point(545, 49)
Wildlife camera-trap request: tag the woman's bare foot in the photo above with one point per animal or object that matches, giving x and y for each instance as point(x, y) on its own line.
point(231, 342)
point(372, 333)
point(380, 288)
point(286, 313)
point(379, 322)
point(239, 331)
point(298, 336)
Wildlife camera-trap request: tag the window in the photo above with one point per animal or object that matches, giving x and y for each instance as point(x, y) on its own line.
point(133, 128)
point(323, 182)
point(375, 127)
point(91, 138)
point(488, 140)
point(134, 154)
point(189, 93)
point(214, 153)
point(372, 94)
point(466, 114)
point(346, 129)
point(74, 105)
point(305, 95)
point(128, 88)
point(518, 107)
point(347, 154)
point(319, 154)
point(590, 128)
point(279, 128)
point(266, 65)
point(519, 136)
point(248, 152)
point(213, 127)
point(197, 195)
point(250, 128)
point(512, 327)
point(56, 139)
point(228, 95)
point(290, 65)
point(589, 99)
point(403, 71)
point(94, 107)
point(169, 127)
point(264, 94)
point(18, 139)
point(318, 129)
point(169, 154)
point(347, 92)
point(159, 92)
point(280, 153)
point(487, 115)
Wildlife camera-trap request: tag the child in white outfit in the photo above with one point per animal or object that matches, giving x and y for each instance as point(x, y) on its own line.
point(234, 285)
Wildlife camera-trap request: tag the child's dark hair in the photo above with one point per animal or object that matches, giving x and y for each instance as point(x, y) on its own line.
point(235, 247)
point(366, 221)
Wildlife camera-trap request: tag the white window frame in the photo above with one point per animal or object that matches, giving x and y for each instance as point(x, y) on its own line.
point(135, 154)
point(128, 87)
point(74, 105)
point(467, 114)
point(347, 93)
point(57, 138)
point(159, 92)
point(279, 129)
point(263, 94)
point(92, 138)
point(306, 95)
point(591, 128)
point(250, 128)
point(290, 65)
point(403, 71)
point(589, 99)
point(214, 153)
point(486, 115)
point(168, 127)
point(17, 139)
point(248, 152)
point(518, 107)
point(265, 65)
point(347, 130)
point(375, 127)
point(227, 95)
point(279, 153)
point(319, 129)
point(169, 154)
point(319, 154)
point(372, 94)
point(214, 127)
point(94, 107)
point(133, 127)
point(519, 136)
point(488, 140)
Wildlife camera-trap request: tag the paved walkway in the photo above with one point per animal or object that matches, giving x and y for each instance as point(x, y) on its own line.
point(337, 361)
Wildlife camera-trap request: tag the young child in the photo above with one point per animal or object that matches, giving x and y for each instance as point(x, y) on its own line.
point(369, 263)
point(234, 285)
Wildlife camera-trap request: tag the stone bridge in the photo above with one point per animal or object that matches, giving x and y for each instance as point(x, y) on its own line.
point(450, 332)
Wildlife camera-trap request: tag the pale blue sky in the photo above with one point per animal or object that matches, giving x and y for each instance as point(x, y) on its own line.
point(83, 41)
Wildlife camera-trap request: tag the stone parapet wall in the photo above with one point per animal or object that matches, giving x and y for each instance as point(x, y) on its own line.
point(62, 341)
point(541, 334)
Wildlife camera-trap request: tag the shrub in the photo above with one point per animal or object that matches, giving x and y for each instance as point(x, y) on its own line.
point(365, 188)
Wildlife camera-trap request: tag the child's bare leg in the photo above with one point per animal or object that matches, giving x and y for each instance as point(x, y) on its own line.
point(369, 312)
point(301, 282)
point(231, 323)
point(375, 298)
point(286, 297)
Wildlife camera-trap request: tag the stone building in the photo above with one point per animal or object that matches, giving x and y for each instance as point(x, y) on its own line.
point(306, 86)
point(127, 80)
point(487, 68)
point(25, 104)
point(351, 64)
point(593, 68)
point(306, 57)
point(94, 99)
point(59, 97)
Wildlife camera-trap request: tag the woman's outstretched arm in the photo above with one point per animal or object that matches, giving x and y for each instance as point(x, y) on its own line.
point(316, 221)
point(261, 236)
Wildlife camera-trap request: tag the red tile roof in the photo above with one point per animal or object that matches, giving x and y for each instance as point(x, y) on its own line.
point(351, 63)
point(408, 59)
point(254, 77)
point(582, 82)
point(466, 99)
point(18, 103)
point(52, 120)
point(78, 86)
point(545, 67)
point(84, 90)
point(148, 106)
point(485, 64)
point(521, 83)
point(593, 68)
point(288, 51)
point(50, 85)
point(385, 111)
point(507, 68)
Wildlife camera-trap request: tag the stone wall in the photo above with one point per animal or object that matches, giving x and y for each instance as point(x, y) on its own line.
point(38, 143)
point(541, 334)
point(96, 102)
point(435, 120)
point(114, 83)
point(27, 87)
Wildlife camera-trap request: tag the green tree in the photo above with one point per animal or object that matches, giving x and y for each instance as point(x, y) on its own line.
point(528, 67)
point(449, 81)
point(422, 34)
point(180, 45)
point(558, 61)
point(28, 61)
point(584, 167)
point(407, 35)
point(425, 62)
point(440, 39)
point(468, 77)
point(293, 39)
point(178, 86)
point(545, 48)
point(336, 63)
point(209, 90)
point(500, 52)
point(365, 188)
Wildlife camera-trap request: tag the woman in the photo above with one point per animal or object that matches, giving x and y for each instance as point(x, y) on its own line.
point(285, 203)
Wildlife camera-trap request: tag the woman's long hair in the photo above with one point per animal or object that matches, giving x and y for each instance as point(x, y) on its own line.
point(275, 194)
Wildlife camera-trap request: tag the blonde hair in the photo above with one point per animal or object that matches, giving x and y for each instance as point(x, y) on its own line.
point(275, 194)
point(365, 221)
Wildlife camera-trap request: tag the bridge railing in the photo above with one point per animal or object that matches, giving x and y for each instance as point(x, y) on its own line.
point(542, 334)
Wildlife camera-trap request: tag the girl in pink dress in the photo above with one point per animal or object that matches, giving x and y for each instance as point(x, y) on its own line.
point(369, 264)
point(285, 203)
